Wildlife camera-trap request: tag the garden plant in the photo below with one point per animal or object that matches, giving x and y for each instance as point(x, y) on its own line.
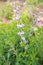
point(21, 37)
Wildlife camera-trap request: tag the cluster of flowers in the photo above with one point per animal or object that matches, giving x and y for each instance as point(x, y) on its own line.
point(17, 14)
point(19, 26)
point(16, 9)
point(21, 33)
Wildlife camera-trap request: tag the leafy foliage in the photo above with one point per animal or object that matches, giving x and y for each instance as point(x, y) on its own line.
point(13, 50)
point(14, 53)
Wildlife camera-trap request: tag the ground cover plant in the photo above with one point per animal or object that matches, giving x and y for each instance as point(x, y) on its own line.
point(21, 39)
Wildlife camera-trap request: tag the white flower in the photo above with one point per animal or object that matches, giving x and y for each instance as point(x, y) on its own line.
point(15, 10)
point(21, 33)
point(24, 40)
point(17, 17)
point(38, 19)
point(20, 25)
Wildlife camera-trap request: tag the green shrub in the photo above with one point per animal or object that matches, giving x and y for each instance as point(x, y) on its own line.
point(14, 53)
point(8, 13)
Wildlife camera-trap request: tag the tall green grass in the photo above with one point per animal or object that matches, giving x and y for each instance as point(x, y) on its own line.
point(34, 2)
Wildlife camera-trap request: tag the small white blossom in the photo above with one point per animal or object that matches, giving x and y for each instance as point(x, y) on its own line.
point(24, 40)
point(20, 25)
point(17, 17)
point(15, 10)
point(21, 33)
point(38, 19)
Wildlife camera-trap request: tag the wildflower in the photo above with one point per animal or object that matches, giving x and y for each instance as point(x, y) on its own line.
point(17, 17)
point(20, 25)
point(38, 19)
point(24, 40)
point(21, 33)
point(15, 10)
